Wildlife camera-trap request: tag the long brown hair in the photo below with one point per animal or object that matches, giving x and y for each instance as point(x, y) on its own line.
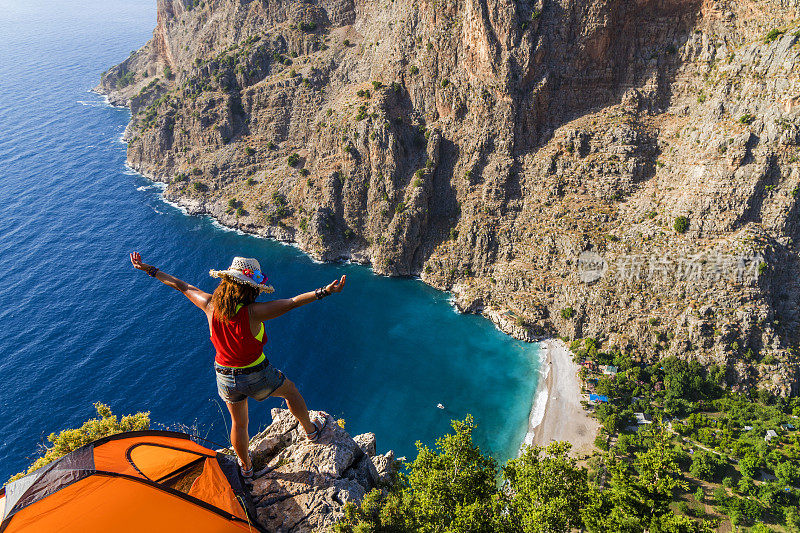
point(229, 294)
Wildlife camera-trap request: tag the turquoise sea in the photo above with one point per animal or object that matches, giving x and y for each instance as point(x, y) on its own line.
point(79, 325)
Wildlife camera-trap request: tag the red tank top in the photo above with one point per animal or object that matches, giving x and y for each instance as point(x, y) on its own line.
point(234, 341)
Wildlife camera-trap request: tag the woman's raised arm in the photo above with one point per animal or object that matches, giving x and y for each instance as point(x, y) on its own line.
point(268, 310)
point(198, 297)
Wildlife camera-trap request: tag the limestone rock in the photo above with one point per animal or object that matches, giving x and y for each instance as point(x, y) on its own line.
point(367, 443)
point(302, 485)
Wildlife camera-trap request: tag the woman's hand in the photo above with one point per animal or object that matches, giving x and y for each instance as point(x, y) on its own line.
point(136, 261)
point(336, 285)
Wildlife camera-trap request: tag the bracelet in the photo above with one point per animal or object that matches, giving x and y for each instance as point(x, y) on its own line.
point(152, 271)
point(321, 293)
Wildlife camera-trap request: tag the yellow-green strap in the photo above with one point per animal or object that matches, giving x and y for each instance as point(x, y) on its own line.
point(259, 337)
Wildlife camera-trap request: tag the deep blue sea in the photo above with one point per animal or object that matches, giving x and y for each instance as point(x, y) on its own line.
point(78, 324)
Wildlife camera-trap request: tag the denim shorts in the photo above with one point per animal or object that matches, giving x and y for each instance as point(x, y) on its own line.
point(258, 385)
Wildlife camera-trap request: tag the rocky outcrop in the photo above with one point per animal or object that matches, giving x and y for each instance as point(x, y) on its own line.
point(302, 486)
point(486, 146)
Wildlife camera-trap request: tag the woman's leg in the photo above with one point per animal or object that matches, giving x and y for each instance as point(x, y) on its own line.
point(296, 403)
point(239, 437)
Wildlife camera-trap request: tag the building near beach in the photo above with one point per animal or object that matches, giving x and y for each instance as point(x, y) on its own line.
point(610, 370)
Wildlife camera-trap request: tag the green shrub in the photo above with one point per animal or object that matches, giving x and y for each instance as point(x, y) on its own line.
point(413, 70)
point(293, 159)
point(746, 486)
point(199, 186)
point(240, 212)
point(69, 440)
point(292, 73)
point(126, 79)
point(377, 85)
point(683, 507)
point(445, 83)
point(346, 42)
point(567, 313)
point(747, 118)
point(270, 145)
point(417, 182)
point(278, 199)
point(250, 182)
point(453, 234)
point(706, 465)
point(681, 224)
point(249, 151)
point(699, 494)
point(772, 35)
point(307, 26)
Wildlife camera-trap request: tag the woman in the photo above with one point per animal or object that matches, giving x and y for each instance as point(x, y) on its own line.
point(236, 322)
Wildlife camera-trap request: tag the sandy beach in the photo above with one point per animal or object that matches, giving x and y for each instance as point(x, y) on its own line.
point(564, 418)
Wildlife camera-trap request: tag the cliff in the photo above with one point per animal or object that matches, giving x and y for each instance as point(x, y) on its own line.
point(302, 486)
point(609, 168)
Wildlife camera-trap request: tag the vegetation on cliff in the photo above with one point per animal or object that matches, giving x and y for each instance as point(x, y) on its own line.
point(738, 453)
point(455, 488)
point(69, 440)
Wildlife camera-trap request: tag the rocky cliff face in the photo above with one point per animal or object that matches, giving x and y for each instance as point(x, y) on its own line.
point(488, 145)
point(302, 486)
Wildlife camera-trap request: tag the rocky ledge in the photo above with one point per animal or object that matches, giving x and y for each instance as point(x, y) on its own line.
point(303, 486)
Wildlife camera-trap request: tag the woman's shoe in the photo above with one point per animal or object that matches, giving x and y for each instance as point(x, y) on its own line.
point(246, 474)
point(320, 425)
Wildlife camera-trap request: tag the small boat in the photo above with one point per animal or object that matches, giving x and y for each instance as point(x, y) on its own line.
point(440, 406)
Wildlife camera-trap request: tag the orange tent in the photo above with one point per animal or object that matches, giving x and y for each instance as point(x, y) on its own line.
point(139, 481)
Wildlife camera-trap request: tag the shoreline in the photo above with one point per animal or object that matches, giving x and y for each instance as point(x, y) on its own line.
point(557, 413)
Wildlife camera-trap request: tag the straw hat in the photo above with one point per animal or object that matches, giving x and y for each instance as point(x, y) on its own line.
point(245, 270)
